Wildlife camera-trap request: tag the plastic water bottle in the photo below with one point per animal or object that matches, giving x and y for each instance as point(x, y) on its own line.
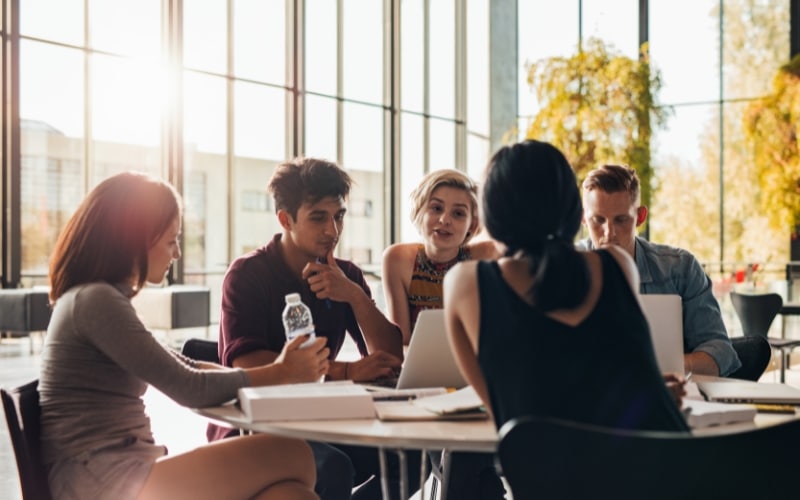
point(297, 319)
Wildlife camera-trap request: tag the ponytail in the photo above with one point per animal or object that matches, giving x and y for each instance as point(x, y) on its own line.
point(560, 276)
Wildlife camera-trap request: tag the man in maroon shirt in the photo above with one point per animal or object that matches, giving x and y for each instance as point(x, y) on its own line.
point(310, 197)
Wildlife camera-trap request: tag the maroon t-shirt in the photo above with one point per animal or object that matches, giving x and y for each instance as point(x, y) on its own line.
point(253, 298)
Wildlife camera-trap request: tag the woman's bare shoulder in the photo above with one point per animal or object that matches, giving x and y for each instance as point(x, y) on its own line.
point(400, 251)
point(482, 250)
point(461, 272)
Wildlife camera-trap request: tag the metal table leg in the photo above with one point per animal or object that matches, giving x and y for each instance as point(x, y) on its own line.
point(446, 455)
point(401, 455)
point(384, 477)
point(423, 472)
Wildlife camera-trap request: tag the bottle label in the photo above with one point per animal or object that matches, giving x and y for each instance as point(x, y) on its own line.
point(302, 331)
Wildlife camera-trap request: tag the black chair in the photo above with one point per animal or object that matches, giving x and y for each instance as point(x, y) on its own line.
point(756, 312)
point(201, 350)
point(21, 406)
point(754, 353)
point(550, 458)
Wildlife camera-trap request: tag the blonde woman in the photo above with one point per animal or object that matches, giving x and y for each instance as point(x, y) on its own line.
point(445, 213)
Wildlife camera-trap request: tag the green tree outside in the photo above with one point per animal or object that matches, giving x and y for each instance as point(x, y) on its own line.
point(598, 106)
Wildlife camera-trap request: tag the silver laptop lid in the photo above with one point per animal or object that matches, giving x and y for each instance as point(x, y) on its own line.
point(744, 391)
point(664, 314)
point(429, 362)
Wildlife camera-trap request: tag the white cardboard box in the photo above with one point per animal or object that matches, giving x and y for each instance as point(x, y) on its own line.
point(314, 401)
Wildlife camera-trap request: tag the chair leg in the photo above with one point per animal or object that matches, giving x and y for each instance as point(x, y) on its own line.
point(784, 360)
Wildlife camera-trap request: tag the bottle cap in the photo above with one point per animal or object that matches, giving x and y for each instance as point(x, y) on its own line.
point(292, 298)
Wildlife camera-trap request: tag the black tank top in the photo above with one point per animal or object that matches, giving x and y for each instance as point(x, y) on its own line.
point(602, 371)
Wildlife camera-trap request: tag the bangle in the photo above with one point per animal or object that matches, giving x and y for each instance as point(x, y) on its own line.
point(345, 369)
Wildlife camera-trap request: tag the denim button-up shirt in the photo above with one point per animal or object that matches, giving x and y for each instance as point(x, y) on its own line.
point(670, 270)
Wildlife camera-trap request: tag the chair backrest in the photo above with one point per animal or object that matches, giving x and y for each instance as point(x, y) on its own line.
point(754, 353)
point(201, 350)
point(21, 406)
point(551, 458)
point(756, 311)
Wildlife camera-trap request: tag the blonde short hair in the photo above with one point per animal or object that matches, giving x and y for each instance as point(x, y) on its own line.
point(450, 178)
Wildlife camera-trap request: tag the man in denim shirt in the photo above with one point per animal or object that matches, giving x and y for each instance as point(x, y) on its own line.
point(612, 211)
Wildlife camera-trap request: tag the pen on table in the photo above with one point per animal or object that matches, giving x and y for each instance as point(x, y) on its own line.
point(407, 397)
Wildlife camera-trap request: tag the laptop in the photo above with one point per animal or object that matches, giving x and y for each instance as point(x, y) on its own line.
point(429, 362)
point(745, 391)
point(664, 314)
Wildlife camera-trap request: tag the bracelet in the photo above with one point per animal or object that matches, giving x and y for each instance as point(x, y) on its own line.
point(346, 364)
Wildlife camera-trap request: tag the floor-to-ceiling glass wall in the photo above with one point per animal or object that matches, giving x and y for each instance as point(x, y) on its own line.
point(715, 58)
point(212, 94)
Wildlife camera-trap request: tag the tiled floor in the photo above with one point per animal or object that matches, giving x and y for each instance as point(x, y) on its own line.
point(176, 427)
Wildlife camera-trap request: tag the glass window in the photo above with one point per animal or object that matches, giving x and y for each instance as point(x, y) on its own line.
point(259, 40)
point(126, 102)
point(206, 188)
point(441, 70)
point(687, 154)
point(412, 56)
point(477, 156)
point(235, 122)
point(253, 225)
point(255, 201)
point(545, 29)
point(362, 47)
point(362, 237)
point(681, 139)
point(57, 20)
point(320, 46)
point(615, 22)
point(204, 113)
point(51, 87)
point(362, 137)
point(259, 121)
point(689, 64)
point(130, 27)
point(205, 35)
point(756, 37)
point(478, 67)
point(321, 130)
point(52, 147)
point(442, 148)
point(412, 168)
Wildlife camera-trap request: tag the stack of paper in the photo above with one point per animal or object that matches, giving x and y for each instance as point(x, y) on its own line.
point(312, 401)
point(708, 413)
point(464, 400)
point(458, 405)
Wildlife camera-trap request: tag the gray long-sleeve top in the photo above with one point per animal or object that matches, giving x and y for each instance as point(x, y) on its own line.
point(97, 362)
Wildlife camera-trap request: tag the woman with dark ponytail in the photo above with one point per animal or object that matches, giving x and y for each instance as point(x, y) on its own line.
point(548, 329)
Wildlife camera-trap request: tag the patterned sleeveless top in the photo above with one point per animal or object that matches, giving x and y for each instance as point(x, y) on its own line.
point(425, 288)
